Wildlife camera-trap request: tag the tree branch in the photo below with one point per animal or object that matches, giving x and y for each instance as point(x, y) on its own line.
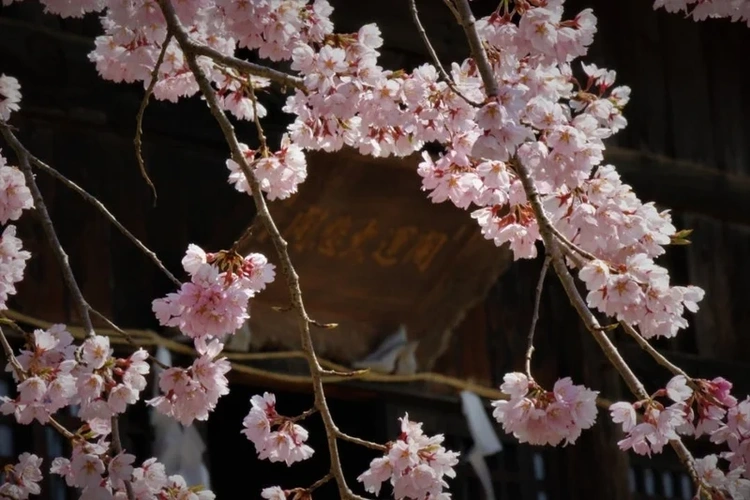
point(658, 357)
point(198, 49)
point(468, 23)
point(287, 268)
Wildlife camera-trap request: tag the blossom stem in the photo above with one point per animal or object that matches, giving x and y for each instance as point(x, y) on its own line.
point(256, 119)
point(48, 227)
point(535, 316)
point(287, 268)
point(137, 143)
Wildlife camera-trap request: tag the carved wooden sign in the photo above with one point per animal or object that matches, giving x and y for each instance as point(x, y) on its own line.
point(372, 252)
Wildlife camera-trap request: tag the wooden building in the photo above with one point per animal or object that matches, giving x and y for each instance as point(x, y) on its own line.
point(685, 147)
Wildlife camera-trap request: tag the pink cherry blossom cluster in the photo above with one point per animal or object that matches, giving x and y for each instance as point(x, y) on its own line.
point(192, 393)
point(15, 196)
point(415, 464)
point(699, 10)
point(215, 302)
point(22, 479)
point(58, 374)
point(541, 417)
point(279, 173)
point(276, 438)
point(276, 27)
point(699, 407)
point(135, 32)
point(273, 493)
point(93, 470)
point(10, 96)
point(101, 476)
point(12, 263)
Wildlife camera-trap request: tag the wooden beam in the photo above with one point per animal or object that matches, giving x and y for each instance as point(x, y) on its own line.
point(684, 186)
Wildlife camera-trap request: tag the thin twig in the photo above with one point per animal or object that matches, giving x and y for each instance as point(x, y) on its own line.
point(304, 415)
point(553, 247)
point(287, 268)
point(431, 50)
point(126, 336)
point(49, 228)
point(658, 357)
point(137, 143)
point(256, 119)
point(242, 244)
point(104, 211)
point(320, 482)
point(535, 316)
point(117, 446)
point(361, 442)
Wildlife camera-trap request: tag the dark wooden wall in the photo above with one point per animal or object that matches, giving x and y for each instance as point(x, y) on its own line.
point(689, 100)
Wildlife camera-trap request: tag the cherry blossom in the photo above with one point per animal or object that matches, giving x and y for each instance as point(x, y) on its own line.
point(541, 417)
point(192, 393)
point(59, 374)
point(276, 438)
point(12, 263)
point(279, 174)
point(215, 302)
point(15, 196)
point(415, 464)
point(699, 10)
point(22, 479)
point(273, 493)
point(10, 96)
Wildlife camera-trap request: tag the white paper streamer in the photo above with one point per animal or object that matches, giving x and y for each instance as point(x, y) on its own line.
point(485, 439)
point(394, 355)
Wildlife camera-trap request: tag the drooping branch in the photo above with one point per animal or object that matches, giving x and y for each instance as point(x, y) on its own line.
point(535, 315)
point(287, 268)
point(548, 233)
point(137, 142)
point(36, 162)
point(24, 160)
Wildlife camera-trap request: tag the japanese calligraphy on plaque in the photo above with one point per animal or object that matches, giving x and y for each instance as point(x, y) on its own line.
point(373, 252)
